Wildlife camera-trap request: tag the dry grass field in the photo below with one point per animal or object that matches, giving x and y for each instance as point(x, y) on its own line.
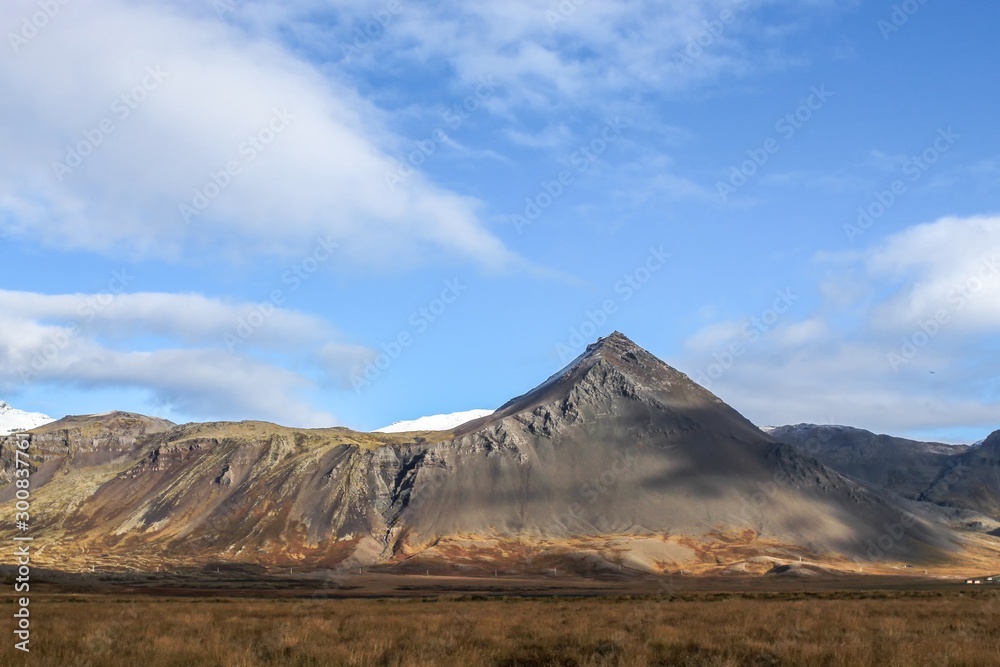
point(820, 628)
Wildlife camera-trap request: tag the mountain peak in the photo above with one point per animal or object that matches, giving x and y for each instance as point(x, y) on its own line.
point(992, 441)
point(615, 349)
point(615, 343)
point(12, 419)
point(614, 338)
point(631, 359)
point(611, 369)
point(115, 421)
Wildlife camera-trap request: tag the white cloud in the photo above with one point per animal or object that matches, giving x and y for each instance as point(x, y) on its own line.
point(833, 381)
point(342, 362)
point(212, 87)
point(188, 318)
point(101, 340)
point(869, 355)
point(325, 172)
point(206, 383)
point(713, 336)
point(951, 266)
point(801, 333)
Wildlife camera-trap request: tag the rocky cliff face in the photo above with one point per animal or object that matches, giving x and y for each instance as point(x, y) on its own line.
point(74, 443)
point(970, 480)
point(616, 459)
point(951, 476)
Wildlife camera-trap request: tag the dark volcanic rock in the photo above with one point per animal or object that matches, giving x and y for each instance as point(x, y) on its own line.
point(952, 476)
point(619, 438)
point(907, 467)
point(79, 442)
point(971, 480)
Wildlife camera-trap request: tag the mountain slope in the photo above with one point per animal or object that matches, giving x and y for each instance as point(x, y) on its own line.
point(616, 460)
point(952, 476)
point(619, 442)
point(907, 467)
point(971, 479)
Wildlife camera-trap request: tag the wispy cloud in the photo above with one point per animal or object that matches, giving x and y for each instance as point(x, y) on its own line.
point(172, 346)
point(207, 132)
point(629, 46)
point(898, 341)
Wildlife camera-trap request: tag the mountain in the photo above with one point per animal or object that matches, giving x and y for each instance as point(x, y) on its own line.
point(616, 461)
point(961, 477)
point(907, 467)
point(12, 419)
point(971, 480)
point(444, 422)
point(620, 444)
point(78, 447)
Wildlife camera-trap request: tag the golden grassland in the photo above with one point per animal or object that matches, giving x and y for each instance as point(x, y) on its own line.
point(761, 630)
point(85, 428)
point(319, 437)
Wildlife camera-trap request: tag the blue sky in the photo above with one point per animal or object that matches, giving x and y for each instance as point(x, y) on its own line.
point(360, 212)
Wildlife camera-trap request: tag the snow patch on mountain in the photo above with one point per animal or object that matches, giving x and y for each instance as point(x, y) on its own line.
point(12, 419)
point(435, 422)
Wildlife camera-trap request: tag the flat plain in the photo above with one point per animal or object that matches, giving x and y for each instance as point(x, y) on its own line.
point(231, 621)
